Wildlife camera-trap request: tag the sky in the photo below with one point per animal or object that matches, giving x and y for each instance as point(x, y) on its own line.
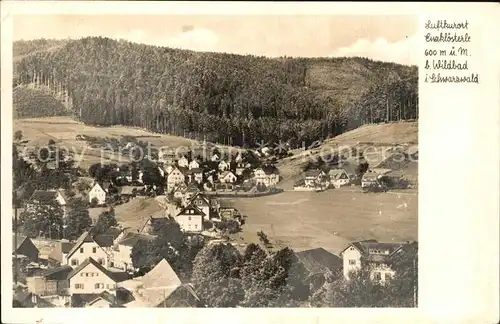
point(385, 38)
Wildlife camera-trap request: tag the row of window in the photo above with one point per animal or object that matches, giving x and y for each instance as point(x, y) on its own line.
point(378, 276)
point(75, 262)
point(94, 250)
point(96, 286)
point(89, 274)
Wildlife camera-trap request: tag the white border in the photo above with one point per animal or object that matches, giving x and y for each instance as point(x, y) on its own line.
point(459, 175)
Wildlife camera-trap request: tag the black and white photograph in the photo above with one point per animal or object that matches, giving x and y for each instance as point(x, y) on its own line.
point(224, 160)
point(197, 161)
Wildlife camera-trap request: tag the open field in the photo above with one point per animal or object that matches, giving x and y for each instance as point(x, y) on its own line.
point(329, 219)
point(63, 130)
point(134, 213)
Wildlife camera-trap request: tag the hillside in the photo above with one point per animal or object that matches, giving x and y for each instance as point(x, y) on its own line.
point(30, 102)
point(225, 98)
point(377, 142)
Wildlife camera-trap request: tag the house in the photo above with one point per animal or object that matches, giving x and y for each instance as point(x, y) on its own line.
point(338, 178)
point(372, 177)
point(175, 178)
point(152, 223)
point(268, 176)
point(117, 233)
point(317, 262)
point(123, 250)
point(227, 177)
point(314, 177)
point(239, 158)
point(191, 190)
point(179, 190)
point(166, 157)
point(194, 165)
point(190, 219)
point(169, 168)
point(372, 254)
point(226, 211)
point(161, 287)
point(183, 162)
point(103, 300)
point(202, 203)
point(195, 175)
point(223, 166)
point(50, 282)
point(46, 197)
point(128, 191)
point(240, 168)
point(99, 192)
point(26, 299)
point(215, 157)
point(59, 254)
point(85, 247)
point(90, 277)
point(24, 247)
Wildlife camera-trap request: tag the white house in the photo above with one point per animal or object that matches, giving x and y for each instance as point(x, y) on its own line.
point(223, 166)
point(266, 176)
point(180, 190)
point(175, 178)
point(99, 192)
point(314, 177)
point(123, 250)
point(195, 175)
point(194, 165)
point(202, 203)
point(372, 176)
point(84, 248)
point(227, 177)
point(166, 156)
point(239, 158)
point(90, 277)
point(338, 178)
point(371, 254)
point(190, 219)
point(183, 162)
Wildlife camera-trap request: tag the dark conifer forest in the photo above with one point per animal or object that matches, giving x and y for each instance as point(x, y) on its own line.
point(223, 98)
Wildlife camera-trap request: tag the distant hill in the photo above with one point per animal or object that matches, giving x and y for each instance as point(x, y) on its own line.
point(225, 98)
point(29, 103)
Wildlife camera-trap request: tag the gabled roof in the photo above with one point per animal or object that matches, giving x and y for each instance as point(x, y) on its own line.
point(131, 238)
point(313, 173)
point(202, 196)
point(191, 206)
point(115, 231)
point(20, 241)
point(60, 249)
point(105, 295)
point(88, 261)
point(59, 273)
point(162, 275)
point(336, 173)
point(84, 238)
point(182, 296)
point(44, 196)
point(104, 185)
point(367, 247)
point(152, 221)
point(226, 173)
point(182, 187)
point(319, 259)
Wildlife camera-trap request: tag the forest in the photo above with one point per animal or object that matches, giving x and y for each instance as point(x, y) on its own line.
point(223, 98)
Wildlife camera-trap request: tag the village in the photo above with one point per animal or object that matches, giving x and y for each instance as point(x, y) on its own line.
point(98, 268)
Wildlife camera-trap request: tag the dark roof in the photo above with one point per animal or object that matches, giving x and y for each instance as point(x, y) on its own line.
point(182, 296)
point(318, 260)
point(114, 231)
point(20, 240)
point(104, 240)
point(336, 173)
point(191, 206)
point(312, 173)
point(131, 238)
point(43, 196)
point(84, 238)
point(110, 298)
point(59, 273)
point(270, 170)
point(96, 264)
point(25, 299)
point(370, 249)
point(202, 196)
point(80, 300)
point(104, 185)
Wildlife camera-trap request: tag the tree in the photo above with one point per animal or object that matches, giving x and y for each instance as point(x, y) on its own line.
point(229, 226)
point(263, 238)
point(145, 255)
point(42, 220)
point(79, 220)
point(105, 220)
point(215, 275)
point(18, 136)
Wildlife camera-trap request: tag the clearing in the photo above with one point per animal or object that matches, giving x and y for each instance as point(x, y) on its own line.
point(329, 219)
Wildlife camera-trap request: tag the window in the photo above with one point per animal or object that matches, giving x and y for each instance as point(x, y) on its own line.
point(78, 286)
point(189, 217)
point(81, 250)
point(387, 276)
point(86, 274)
point(377, 275)
point(74, 262)
point(352, 262)
point(99, 286)
point(94, 250)
point(101, 261)
point(81, 274)
point(91, 274)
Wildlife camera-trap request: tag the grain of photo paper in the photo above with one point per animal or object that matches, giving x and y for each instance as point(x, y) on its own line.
point(250, 162)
